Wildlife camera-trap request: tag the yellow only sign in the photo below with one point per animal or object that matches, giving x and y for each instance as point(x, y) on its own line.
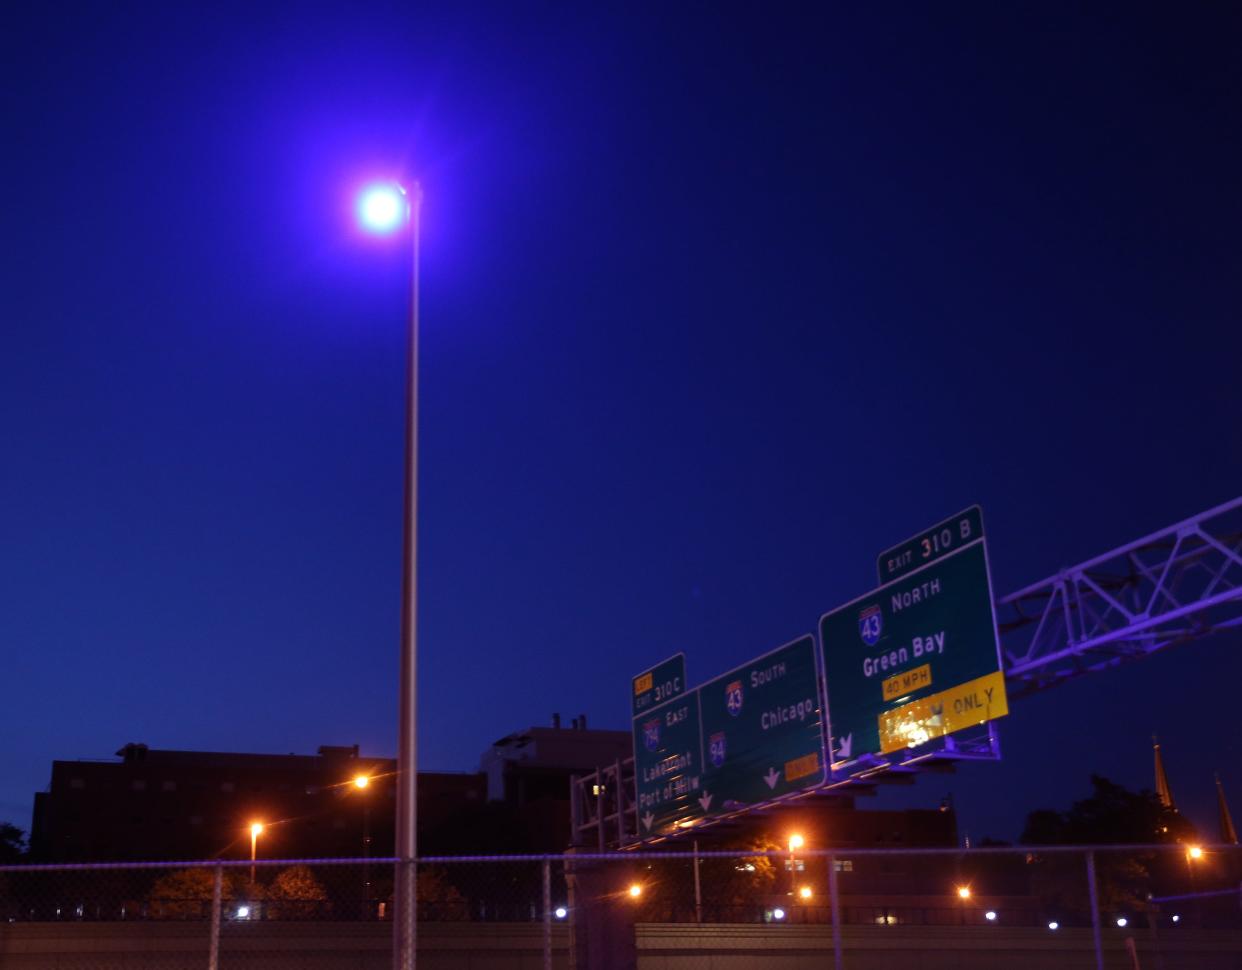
point(935, 715)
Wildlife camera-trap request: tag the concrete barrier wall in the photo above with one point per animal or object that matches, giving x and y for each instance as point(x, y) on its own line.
point(278, 946)
point(679, 946)
point(660, 946)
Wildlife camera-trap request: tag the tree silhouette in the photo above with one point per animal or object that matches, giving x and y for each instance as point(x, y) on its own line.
point(187, 893)
point(1111, 815)
point(12, 844)
point(295, 893)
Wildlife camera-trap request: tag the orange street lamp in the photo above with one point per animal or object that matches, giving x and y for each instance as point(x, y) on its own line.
point(963, 892)
point(360, 784)
point(806, 892)
point(1194, 853)
point(796, 841)
point(256, 829)
point(635, 890)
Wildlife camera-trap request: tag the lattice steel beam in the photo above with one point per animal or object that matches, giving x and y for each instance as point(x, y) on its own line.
point(1175, 585)
point(1179, 584)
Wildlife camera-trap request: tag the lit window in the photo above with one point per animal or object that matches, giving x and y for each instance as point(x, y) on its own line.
point(843, 865)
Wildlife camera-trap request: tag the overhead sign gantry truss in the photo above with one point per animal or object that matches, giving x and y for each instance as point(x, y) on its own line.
point(1179, 584)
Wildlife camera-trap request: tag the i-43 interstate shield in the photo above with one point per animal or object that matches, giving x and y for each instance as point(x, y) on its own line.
point(915, 659)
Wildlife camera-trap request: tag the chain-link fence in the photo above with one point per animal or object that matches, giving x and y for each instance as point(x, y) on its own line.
point(1157, 907)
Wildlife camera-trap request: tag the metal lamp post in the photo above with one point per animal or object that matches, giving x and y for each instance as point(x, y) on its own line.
point(256, 829)
point(385, 208)
point(361, 783)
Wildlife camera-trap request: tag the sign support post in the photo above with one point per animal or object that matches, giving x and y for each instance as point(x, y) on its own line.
point(698, 888)
point(1095, 912)
point(837, 961)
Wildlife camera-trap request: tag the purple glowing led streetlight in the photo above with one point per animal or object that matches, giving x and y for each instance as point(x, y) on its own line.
point(386, 208)
point(382, 208)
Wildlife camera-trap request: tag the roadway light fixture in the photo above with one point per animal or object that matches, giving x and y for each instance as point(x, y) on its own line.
point(561, 912)
point(1195, 852)
point(990, 916)
point(796, 842)
point(1176, 918)
point(1122, 921)
point(382, 208)
point(635, 890)
point(963, 892)
point(361, 783)
point(256, 829)
point(1054, 925)
point(778, 913)
point(806, 892)
point(385, 208)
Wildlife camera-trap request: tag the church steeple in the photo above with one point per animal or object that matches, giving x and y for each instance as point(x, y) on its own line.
point(1163, 792)
point(1228, 834)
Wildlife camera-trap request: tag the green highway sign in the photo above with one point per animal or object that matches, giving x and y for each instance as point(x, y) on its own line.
point(668, 760)
point(917, 658)
point(762, 730)
point(661, 683)
point(926, 547)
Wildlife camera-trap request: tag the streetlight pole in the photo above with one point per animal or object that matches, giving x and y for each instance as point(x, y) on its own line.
point(256, 828)
point(795, 842)
point(361, 783)
point(405, 921)
point(382, 209)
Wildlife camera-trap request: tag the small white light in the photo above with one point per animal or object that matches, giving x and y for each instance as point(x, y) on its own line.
point(1176, 917)
point(1121, 921)
point(243, 912)
point(1053, 925)
point(989, 916)
point(561, 912)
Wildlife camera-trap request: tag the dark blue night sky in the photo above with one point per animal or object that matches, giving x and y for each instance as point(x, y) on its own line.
point(717, 304)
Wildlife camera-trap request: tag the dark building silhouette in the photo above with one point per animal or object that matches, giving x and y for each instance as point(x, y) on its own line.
point(154, 804)
point(157, 804)
point(529, 774)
